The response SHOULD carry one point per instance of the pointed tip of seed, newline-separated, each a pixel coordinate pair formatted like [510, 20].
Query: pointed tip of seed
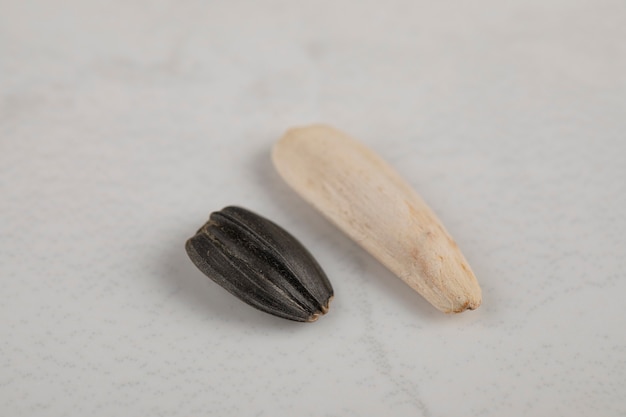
[326, 307]
[323, 310]
[467, 305]
[313, 318]
[470, 301]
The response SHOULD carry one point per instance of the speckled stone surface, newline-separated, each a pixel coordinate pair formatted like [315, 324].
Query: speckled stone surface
[123, 124]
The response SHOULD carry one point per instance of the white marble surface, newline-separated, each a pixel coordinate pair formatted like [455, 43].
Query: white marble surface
[124, 123]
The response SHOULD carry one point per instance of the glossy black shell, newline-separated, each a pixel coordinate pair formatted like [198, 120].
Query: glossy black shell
[261, 264]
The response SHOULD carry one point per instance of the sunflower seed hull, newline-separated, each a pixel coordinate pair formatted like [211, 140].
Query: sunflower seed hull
[363, 196]
[261, 264]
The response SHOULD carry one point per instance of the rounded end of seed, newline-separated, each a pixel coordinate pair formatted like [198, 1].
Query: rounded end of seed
[290, 148]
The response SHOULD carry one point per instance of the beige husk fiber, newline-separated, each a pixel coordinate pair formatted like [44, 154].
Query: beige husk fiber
[363, 196]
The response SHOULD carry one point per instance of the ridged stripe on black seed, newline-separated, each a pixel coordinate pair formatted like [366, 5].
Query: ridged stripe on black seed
[245, 218]
[300, 261]
[226, 233]
[276, 257]
[318, 284]
[274, 292]
[261, 299]
[269, 288]
[280, 263]
[205, 248]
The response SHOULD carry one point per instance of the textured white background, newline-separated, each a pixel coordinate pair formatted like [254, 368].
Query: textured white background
[124, 123]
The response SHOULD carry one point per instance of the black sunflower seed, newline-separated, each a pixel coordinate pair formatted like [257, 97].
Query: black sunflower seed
[261, 264]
